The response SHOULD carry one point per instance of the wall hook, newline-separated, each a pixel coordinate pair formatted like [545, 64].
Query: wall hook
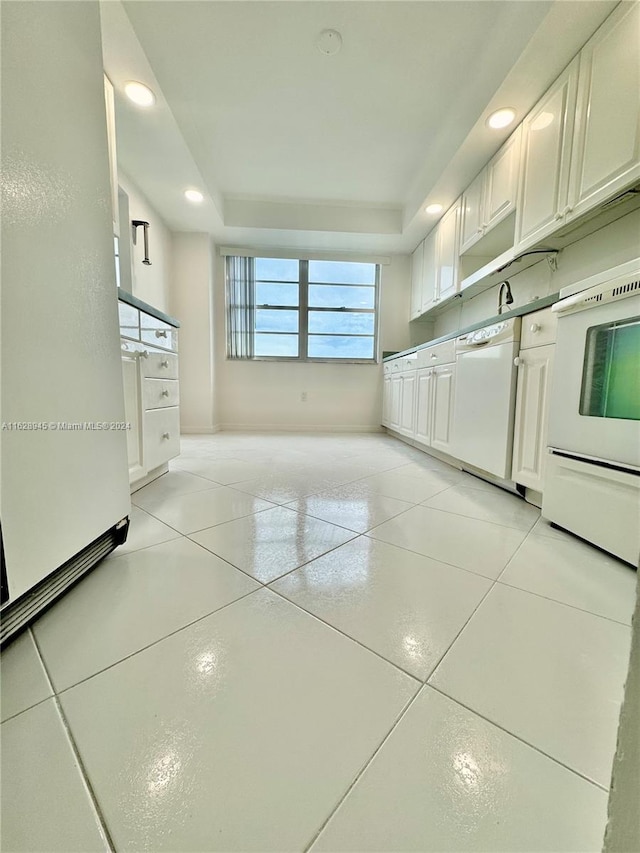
[145, 225]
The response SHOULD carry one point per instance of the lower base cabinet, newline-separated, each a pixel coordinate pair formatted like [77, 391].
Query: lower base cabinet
[419, 405]
[535, 369]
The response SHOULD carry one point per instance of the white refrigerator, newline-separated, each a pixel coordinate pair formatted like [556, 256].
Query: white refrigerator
[64, 493]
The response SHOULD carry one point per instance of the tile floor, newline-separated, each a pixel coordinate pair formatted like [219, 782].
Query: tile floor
[325, 643]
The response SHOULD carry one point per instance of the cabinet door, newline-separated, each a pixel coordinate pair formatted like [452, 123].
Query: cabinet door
[408, 404]
[535, 366]
[443, 398]
[501, 184]
[429, 271]
[424, 405]
[547, 134]
[472, 212]
[416, 282]
[111, 144]
[133, 414]
[606, 150]
[386, 401]
[447, 253]
[395, 401]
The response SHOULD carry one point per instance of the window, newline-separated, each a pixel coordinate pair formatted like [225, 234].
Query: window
[299, 309]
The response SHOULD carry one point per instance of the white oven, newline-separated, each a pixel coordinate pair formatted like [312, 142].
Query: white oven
[592, 484]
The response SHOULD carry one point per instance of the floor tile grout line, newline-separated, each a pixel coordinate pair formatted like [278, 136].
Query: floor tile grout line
[343, 633]
[428, 556]
[364, 768]
[525, 530]
[519, 738]
[494, 581]
[289, 571]
[217, 524]
[76, 752]
[565, 604]
[159, 640]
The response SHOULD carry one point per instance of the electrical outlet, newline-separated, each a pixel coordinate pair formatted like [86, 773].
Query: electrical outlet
[303, 397]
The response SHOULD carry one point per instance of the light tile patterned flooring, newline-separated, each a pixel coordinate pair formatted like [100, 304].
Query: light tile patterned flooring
[326, 643]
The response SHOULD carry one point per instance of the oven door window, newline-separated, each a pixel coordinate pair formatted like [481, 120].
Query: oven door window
[611, 371]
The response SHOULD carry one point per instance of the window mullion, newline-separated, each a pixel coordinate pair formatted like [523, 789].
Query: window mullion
[303, 326]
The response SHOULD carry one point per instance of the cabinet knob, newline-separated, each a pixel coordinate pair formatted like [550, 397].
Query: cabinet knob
[433, 355]
[166, 435]
[165, 393]
[558, 216]
[518, 361]
[568, 209]
[535, 327]
[144, 353]
[164, 363]
[161, 333]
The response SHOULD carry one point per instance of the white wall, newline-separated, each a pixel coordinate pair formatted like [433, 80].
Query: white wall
[149, 283]
[612, 245]
[266, 394]
[192, 304]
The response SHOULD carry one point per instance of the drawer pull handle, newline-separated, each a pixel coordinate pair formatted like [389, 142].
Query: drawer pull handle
[165, 393]
[161, 333]
[164, 363]
[535, 327]
[166, 435]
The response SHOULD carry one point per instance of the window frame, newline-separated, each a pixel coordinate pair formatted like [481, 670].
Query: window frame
[303, 318]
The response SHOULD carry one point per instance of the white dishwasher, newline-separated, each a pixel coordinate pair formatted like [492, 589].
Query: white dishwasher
[485, 397]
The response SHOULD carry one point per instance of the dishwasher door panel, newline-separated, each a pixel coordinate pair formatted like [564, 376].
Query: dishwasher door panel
[485, 407]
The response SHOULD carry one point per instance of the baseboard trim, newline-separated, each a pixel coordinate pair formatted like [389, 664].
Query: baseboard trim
[196, 430]
[300, 428]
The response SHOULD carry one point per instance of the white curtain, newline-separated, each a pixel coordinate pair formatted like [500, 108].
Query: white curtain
[241, 301]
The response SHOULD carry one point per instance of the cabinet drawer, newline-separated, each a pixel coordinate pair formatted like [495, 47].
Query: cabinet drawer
[539, 329]
[161, 440]
[160, 365]
[160, 393]
[443, 353]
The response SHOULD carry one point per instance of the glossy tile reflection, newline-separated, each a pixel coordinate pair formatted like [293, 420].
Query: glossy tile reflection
[272, 543]
[462, 784]
[403, 606]
[212, 713]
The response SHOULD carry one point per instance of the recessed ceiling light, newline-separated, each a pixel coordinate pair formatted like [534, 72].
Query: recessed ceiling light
[139, 94]
[434, 208]
[329, 42]
[501, 118]
[194, 195]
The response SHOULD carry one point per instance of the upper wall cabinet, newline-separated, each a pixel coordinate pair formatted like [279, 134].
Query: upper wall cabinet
[547, 135]
[416, 283]
[429, 271]
[606, 145]
[447, 253]
[491, 197]
[109, 101]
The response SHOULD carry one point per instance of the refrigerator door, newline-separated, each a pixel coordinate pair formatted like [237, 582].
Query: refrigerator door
[62, 486]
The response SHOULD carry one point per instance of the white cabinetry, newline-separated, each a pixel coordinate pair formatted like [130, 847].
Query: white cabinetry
[491, 197]
[111, 145]
[547, 135]
[501, 183]
[151, 385]
[447, 253]
[408, 403]
[535, 368]
[416, 282]
[443, 399]
[606, 146]
[429, 271]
